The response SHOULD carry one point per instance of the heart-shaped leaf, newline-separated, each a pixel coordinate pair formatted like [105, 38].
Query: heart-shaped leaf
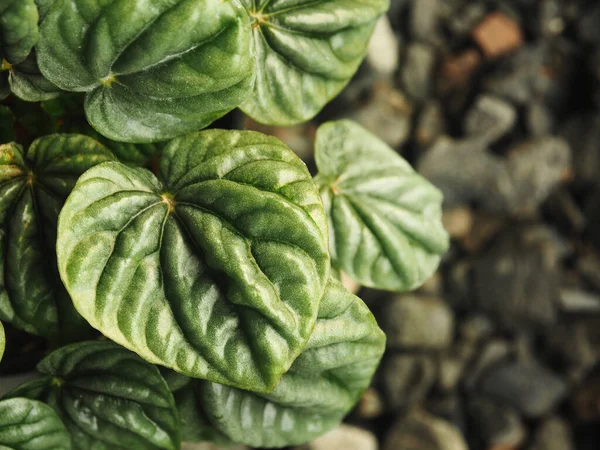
[31, 425]
[33, 188]
[152, 69]
[306, 51]
[215, 271]
[107, 397]
[18, 29]
[320, 388]
[384, 218]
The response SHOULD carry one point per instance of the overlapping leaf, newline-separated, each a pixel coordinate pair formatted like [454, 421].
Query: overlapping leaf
[385, 219]
[320, 388]
[33, 187]
[306, 51]
[31, 425]
[152, 69]
[18, 34]
[107, 397]
[216, 272]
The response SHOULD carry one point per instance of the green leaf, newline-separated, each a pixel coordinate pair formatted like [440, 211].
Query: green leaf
[27, 82]
[216, 271]
[195, 425]
[320, 388]
[33, 188]
[152, 69]
[18, 29]
[30, 425]
[2, 341]
[384, 219]
[108, 398]
[306, 52]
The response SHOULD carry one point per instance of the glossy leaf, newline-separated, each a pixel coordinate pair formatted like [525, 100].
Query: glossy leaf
[31, 425]
[320, 388]
[152, 69]
[195, 425]
[18, 29]
[33, 187]
[2, 341]
[306, 52]
[384, 219]
[27, 82]
[215, 271]
[107, 397]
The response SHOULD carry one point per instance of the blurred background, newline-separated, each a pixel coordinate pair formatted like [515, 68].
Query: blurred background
[498, 104]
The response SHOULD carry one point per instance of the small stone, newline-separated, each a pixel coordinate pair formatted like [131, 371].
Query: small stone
[421, 431]
[430, 125]
[575, 342]
[464, 20]
[528, 386]
[370, 405]
[578, 301]
[492, 355]
[586, 399]
[490, 118]
[498, 35]
[540, 120]
[553, 434]
[457, 69]
[452, 365]
[498, 425]
[416, 73]
[475, 328]
[384, 51]
[344, 437]
[485, 228]
[414, 322]
[458, 221]
[423, 20]
[407, 378]
[387, 114]
[516, 279]
[582, 132]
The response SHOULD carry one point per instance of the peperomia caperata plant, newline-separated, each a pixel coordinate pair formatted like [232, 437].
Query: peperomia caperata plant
[189, 289]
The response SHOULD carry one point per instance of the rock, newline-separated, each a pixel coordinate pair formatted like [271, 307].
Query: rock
[370, 405]
[423, 20]
[466, 18]
[539, 119]
[536, 168]
[516, 279]
[384, 51]
[582, 132]
[575, 343]
[457, 69]
[452, 365]
[485, 228]
[475, 328]
[493, 354]
[577, 301]
[387, 114]
[458, 222]
[588, 265]
[449, 407]
[553, 434]
[345, 437]
[430, 125]
[586, 399]
[407, 378]
[498, 35]
[588, 24]
[414, 322]
[416, 72]
[498, 425]
[421, 431]
[489, 119]
[528, 386]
